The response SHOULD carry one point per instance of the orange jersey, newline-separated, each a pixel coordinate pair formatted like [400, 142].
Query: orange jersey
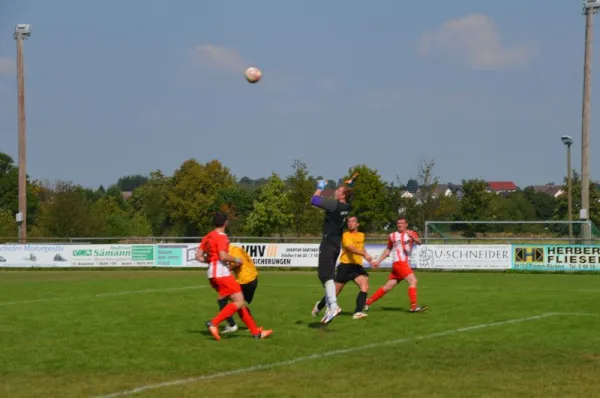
[213, 243]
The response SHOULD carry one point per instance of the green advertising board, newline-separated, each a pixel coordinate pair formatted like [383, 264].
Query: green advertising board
[556, 257]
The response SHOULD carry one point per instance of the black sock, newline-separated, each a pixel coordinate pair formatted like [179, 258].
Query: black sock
[321, 304]
[361, 300]
[222, 304]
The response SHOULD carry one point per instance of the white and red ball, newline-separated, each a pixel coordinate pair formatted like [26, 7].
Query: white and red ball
[253, 75]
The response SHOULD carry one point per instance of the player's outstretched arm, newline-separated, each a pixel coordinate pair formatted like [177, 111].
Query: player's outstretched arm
[323, 203]
[383, 256]
[354, 250]
[350, 183]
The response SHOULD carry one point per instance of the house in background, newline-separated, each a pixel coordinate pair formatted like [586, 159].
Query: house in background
[456, 190]
[549, 189]
[501, 187]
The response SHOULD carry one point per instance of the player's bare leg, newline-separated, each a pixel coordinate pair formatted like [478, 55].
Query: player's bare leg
[412, 294]
[362, 282]
[389, 285]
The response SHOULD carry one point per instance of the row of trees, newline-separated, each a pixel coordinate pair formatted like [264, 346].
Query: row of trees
[182, 204]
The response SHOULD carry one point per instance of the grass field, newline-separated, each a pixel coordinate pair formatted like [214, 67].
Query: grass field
[97, 333]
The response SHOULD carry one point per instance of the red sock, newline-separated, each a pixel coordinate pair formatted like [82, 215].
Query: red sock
[412, 296]
[248, 320]
[376, 296]
[225, 313]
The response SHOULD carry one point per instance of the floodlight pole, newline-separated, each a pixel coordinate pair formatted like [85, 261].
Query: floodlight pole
[570, 198]
[589, 9]
[22, 32]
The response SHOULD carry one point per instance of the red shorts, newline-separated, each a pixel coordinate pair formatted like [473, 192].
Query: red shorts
[400, 270]
[225, 285]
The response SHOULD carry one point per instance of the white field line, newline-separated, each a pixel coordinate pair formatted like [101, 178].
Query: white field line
[122, 293]
[49, 299]
[330, 353]
[527, 289]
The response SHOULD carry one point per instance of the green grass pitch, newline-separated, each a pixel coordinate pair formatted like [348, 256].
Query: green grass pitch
[110, 333]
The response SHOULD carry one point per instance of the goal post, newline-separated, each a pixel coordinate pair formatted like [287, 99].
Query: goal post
[520, 231]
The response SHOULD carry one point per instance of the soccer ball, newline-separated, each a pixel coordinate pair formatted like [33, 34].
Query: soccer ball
[253, 75]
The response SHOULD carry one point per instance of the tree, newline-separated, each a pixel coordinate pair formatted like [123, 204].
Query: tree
[301, 186]
[237, 203]
[412, 186]
[427, 194]
[476, 205]
[395, 205]
[251, 185]
[9, 190]
[131, 182]
[369, 202]
[67, 213]
[8, 226]
[271, 212]
[193, 192]
[514, 207]
[114, 221]
[150, 200]
[543, 203]
[561, 210]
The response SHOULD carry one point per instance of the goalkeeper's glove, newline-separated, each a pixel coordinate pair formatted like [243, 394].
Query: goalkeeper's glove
[321, 184]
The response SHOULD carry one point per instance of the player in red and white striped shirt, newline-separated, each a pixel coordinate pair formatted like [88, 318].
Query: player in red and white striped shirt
[400, 244]
[216, 246]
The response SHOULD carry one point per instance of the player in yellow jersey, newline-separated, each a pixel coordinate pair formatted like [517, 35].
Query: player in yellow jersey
[246, 275]
[351, 268]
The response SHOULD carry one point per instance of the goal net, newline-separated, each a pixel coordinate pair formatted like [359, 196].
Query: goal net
[550, 232]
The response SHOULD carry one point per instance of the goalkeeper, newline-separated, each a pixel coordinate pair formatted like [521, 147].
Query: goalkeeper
[336, 212]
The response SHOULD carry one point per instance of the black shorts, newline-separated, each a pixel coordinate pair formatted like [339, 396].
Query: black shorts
[248, 290]
[349, 272]
[329, 252]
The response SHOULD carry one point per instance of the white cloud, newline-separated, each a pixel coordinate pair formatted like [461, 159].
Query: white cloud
[219, 58]
[475, 41]
[7, 66]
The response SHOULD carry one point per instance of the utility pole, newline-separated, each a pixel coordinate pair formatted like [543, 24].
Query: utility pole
[567, 140]
[590, 7]
[22, 32]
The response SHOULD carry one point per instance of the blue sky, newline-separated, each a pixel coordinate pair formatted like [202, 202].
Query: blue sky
[485, 89]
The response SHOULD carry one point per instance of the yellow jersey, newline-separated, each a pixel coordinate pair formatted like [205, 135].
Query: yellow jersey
[246, 272]
[356, 239]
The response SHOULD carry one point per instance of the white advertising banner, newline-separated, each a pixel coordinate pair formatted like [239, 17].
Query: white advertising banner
[112, 255]
[263, 254]
[76, 255]
[34, 255]
[467, 257]
[268, 254]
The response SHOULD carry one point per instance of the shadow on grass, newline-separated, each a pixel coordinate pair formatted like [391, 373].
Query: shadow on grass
[240, 333]
[397, 309]
[319, 326]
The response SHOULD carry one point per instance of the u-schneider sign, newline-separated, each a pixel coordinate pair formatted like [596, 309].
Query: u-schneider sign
[465, 257]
